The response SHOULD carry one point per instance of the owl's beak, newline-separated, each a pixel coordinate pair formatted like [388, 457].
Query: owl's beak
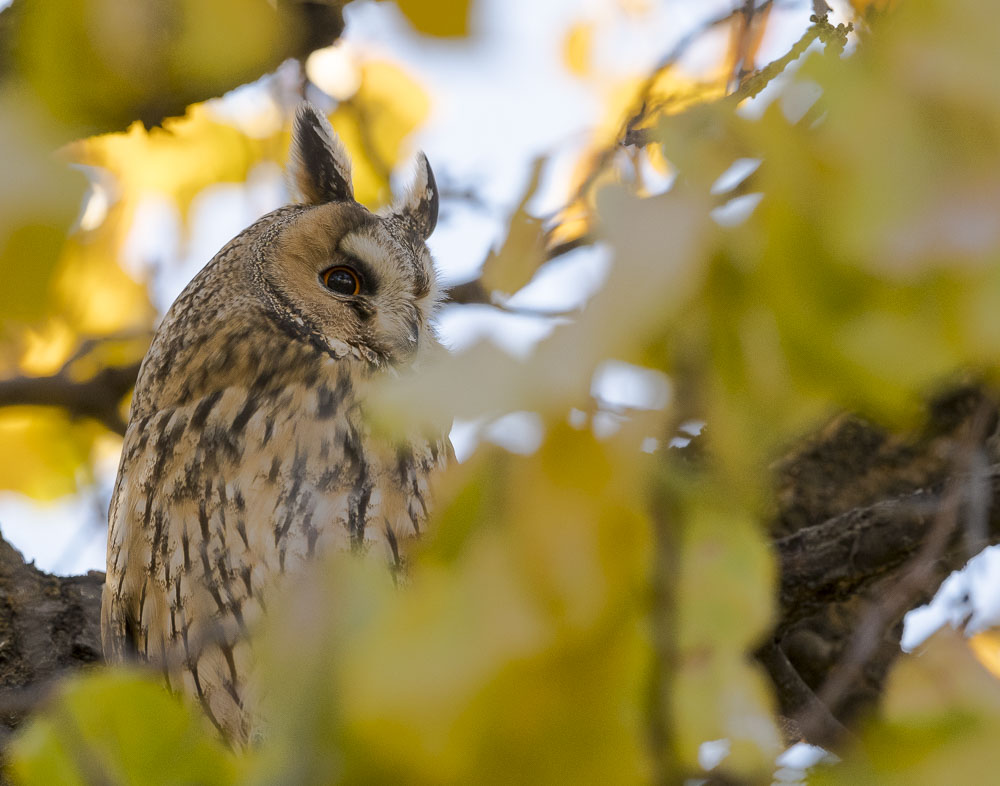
[401, 345]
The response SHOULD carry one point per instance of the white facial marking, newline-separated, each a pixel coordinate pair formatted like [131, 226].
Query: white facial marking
[366, 248]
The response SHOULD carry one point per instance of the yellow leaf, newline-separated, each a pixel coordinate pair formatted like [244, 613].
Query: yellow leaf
[670, 92]
[523, 250]
[986, 647]
[577, 47]
[443, 18]
[45, 452]
[637, 8]
[97, 64]
[39, 197]
[119, 727]
[114, 302]
[181, 158]
[46, 348]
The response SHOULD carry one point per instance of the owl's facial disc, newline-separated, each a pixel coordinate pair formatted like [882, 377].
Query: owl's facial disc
[345, 275]
[354, 278]
[403, 290]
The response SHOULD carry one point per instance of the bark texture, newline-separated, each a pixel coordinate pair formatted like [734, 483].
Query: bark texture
[867, 526]
[49, 625]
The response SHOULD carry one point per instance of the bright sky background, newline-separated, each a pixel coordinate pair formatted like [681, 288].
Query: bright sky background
[500, 99]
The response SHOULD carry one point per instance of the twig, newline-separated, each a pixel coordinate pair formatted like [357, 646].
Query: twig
[629, 134]
[820, 28]
[751, 86]
[743, 43]
[640, 106]
[468, 195]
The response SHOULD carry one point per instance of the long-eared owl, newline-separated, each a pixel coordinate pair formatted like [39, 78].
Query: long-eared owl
[247, 451]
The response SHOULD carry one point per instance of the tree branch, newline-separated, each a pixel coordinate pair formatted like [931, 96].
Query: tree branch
[894, 519]
[98, 397]
[50, 624]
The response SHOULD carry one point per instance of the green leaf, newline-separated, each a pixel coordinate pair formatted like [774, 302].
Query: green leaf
[516, 651]
[940, 723]
[100, 64]
[39, 198]
[123, 728]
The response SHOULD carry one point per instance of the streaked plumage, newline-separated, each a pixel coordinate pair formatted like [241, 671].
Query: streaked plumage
[247, 452]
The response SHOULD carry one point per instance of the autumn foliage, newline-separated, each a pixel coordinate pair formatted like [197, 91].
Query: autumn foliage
[583, 613]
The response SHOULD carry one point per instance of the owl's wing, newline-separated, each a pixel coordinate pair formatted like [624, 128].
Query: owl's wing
[119, 618]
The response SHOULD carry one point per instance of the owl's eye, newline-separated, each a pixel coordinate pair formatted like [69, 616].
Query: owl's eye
[342, 280]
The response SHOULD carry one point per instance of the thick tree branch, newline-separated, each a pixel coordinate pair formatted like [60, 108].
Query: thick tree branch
[49, 625]
[98, 397]
[833, 561]
[868, 527]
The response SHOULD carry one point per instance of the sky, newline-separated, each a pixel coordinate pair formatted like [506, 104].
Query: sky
[500, 98]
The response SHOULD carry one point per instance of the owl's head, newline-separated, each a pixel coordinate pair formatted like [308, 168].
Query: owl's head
[354, 277]
[319, 279]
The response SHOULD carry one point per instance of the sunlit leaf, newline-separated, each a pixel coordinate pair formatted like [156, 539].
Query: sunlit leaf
[46, 454]
[986, 647]
[523, 250]
[577, 48]
[180, 159]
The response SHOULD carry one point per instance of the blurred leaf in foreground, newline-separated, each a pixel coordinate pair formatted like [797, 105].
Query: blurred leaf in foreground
[725, 597]
[940, 725]
[39, 197]
[101, 64]
[515, 653]
[119, 727]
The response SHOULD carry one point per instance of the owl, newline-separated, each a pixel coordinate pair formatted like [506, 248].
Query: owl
[247, 452]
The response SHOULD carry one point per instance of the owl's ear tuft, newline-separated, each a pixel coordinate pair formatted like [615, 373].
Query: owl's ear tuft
[419, 207]
[319, 167]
